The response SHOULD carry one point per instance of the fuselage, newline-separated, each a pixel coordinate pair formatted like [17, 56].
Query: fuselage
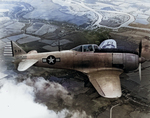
[85, 62]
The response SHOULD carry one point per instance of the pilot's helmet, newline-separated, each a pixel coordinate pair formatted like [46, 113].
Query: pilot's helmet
[108, 44]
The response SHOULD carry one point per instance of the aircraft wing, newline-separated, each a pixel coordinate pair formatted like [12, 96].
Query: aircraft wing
[25, 64]
[107, 82]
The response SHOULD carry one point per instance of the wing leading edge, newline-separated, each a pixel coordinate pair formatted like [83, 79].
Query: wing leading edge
[107, 82]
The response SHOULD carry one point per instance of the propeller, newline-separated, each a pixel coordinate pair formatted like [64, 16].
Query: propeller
[140, 48]
[144, 53]
[140, 71]
[140, 60]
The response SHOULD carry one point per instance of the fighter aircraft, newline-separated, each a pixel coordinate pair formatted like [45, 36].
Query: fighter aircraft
[103, 64]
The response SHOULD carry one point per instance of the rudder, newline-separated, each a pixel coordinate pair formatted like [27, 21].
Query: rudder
[12, 49]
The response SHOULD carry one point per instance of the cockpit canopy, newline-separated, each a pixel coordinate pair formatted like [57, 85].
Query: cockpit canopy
[86, 48]
[107, 44]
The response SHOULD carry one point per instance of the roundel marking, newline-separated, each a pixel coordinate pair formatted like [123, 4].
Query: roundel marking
[51, 60]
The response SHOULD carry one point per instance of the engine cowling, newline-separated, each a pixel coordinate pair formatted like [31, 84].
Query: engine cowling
[125, 61]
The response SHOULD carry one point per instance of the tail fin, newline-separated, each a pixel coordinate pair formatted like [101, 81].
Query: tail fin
[12, 49]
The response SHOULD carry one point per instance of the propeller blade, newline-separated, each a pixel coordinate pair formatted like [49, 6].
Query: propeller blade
[140, 48]
[140, 71]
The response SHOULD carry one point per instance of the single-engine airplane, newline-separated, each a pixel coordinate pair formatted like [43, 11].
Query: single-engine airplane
[103, 64]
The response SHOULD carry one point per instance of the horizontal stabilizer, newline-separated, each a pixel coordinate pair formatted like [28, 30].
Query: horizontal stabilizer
[107, 82]
[25, 64]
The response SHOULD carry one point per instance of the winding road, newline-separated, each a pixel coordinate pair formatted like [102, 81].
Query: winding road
[99, 18]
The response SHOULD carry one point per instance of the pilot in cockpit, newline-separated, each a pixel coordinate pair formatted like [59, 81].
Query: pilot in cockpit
[108, 44]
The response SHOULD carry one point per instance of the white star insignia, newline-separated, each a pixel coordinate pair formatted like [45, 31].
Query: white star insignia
[51, 60]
